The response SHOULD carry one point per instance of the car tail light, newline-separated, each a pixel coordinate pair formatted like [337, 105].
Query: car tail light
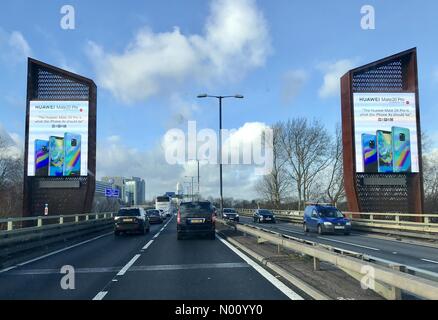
[178, 218]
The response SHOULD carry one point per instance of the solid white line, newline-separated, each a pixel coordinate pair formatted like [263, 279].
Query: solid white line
[147, 245]
[100, 295]
[128, 265]
[157, 235]
[432, 261]
[274, 281]
[350, 244]
[55, 252]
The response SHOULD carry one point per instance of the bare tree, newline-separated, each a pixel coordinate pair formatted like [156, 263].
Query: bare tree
[274, 186]
[335, 190]
[11, 181]
[305, 147]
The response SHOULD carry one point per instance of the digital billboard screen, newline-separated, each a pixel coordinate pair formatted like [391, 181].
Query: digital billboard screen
[58, 138]
[386, 139]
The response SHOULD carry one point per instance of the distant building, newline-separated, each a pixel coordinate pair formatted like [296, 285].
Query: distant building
[133, 190]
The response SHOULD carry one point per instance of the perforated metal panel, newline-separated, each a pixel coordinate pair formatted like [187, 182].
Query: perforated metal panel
[385, 78]
[49, 83]
[382, 198]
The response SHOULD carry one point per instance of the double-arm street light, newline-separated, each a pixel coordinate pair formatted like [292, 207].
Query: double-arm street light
[220, 98]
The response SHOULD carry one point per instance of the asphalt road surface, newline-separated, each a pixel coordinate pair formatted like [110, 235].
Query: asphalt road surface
[155, 266]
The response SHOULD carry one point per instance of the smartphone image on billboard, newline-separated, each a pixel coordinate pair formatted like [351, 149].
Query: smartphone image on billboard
[41, 158]
[72, 151]
[56, 156]
[401, 145]
[384, 151]
[369, 153]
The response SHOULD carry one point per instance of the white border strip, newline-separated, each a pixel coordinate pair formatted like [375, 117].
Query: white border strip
[100, 295]
[128, 265]
[274, 281]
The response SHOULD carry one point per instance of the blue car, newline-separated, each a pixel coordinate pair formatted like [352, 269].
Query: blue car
[325, 219]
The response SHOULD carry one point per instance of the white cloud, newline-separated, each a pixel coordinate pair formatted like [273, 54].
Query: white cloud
[332, 77]
[235, 40]
[14, 48]
[292, 83]
[116, 159]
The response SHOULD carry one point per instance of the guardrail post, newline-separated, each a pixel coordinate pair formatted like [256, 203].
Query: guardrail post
[10, 225]
[96, 217]
[61, 220]
[39, 222]
[316, 264]
[76, 218]
[86, 217]
[426, 220]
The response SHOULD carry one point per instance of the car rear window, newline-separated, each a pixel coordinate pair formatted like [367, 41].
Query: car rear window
[196, 207]
[129, 213]
[229, 211]
[265, 212]
[153, 213]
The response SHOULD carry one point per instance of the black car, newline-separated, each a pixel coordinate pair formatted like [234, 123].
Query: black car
[131, 220]
[196, 218]
[231, 214]
[155, 216]
[264, 216]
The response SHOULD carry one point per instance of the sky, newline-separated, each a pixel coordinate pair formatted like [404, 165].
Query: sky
[150, 59]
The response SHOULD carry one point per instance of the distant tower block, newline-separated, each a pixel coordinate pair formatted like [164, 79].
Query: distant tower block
[178, 189]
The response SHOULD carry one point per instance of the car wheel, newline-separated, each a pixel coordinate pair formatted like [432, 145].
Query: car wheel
[117, 233]
[320, 230]
[179, 236]
[306, 230]
[347, 233]
[148, 229]
[213, 235]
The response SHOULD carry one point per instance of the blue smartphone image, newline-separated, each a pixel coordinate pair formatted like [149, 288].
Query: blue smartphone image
[401, 142]
[56, 156]
[369, 153]
[384, 151]
[41, 158]
[72, 153]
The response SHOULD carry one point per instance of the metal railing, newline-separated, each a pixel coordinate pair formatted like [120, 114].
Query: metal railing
[388, 221]
[12, 224]
[386, 274]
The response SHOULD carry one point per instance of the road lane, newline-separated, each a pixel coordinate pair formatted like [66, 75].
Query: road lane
[95, 263]
[191, 269]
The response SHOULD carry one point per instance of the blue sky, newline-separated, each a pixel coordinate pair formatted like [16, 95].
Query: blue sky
[277, 47]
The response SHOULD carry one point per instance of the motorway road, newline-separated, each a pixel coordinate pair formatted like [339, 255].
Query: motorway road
[413, 255]
[155, 266]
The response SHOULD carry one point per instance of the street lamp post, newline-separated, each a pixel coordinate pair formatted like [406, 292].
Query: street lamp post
[220, 98]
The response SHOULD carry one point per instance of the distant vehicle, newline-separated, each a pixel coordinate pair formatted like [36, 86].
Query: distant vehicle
[325, 219]
[154, 216]
[163, 214]
[131, 220]
[264, 216]
[196, 218]
[163, 203]
[231, 214]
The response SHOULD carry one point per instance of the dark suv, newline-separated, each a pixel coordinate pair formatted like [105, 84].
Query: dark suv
[131, 220]
[196, 218]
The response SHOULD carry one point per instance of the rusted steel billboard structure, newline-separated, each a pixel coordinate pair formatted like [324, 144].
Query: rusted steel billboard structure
[60, 142]
[382, 136]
